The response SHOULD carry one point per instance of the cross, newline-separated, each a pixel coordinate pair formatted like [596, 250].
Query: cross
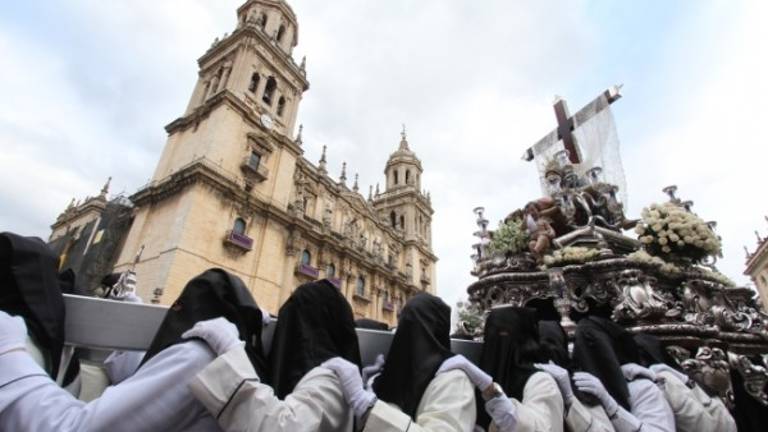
[566, 125]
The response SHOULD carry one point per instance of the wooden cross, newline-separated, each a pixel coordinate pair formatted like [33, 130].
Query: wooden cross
[566, 125]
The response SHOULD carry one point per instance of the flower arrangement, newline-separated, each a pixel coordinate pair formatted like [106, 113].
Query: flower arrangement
[570, 255]
[670, 230]
[644, 257]
[510, 238]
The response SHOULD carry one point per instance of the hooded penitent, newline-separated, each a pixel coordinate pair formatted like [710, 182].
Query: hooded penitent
[554, 343]
[29, 287]
[601, 347]
[315, 324]
[420, 345]
[652, 351]
[213, 294]
[511, 346]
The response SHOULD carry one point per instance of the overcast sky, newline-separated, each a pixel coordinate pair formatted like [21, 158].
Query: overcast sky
[87, 86]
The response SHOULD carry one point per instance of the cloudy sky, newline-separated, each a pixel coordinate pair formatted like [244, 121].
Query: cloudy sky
[87, 86]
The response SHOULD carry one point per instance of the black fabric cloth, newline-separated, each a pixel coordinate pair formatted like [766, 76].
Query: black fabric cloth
[315, 324]
[750, 415]
[68, 282]
[29, 287]
[510, 347]
[420, 345]
[554, 344]
[215, 293]
[601, 346]
[652, 351]
[367, 323]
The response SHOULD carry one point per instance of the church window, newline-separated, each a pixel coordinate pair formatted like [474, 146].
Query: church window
[407, 176]
[239, 226]
[360, 286]
[306, 257]
[330, 271]
[393, 219]
[280, 106]
[395, 175]
[254, 160]
[263, 20]
[280, 33]
[269, 90]
[254, 85]
[402, 222]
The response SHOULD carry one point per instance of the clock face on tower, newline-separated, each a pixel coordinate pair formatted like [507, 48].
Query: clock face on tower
[266, 121]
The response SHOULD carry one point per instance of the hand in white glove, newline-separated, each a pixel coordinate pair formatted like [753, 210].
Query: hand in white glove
[352, 386]
[503, 413]
[266, 318]
[661, 367]
[373, 369]
[589, 384]
[220, 334]
[561, 377]
[480, 379]
[13, 333]
[633, 371]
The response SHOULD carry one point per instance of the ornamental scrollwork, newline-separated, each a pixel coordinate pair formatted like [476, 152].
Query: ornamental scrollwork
[754, 375]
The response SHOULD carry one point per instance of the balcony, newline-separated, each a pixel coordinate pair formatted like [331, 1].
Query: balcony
[425, 279]
[240, 241]
[253, 168]
[307, 270]
[335, 281]
[388, 306]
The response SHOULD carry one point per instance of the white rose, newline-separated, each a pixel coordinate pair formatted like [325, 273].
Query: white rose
[666, 249]
[663, 241]
[673, 237]
[680, 243]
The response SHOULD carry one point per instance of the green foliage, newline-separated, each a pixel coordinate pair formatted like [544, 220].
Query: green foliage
[509, 238]
[470, 316]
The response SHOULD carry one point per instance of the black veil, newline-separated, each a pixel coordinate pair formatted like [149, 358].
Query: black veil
[554, 343]
[652, 351]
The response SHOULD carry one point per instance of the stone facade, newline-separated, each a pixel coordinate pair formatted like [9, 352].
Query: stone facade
[233, 190]
[757, 268]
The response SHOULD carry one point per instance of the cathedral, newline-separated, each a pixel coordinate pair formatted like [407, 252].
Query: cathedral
[233, 190]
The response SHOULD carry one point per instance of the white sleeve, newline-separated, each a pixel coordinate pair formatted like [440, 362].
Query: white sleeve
[694, 410]
[122, 364]
[542, 407]
[231, 391]
[649, 407]
[447, 405]
[581, 418]
[155, 398]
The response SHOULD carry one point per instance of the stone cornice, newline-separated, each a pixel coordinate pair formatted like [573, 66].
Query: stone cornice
[230, 99]
[388, 198]
[756, 257]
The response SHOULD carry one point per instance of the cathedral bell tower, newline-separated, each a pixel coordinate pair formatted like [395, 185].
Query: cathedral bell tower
[226, 170]
[409, 210]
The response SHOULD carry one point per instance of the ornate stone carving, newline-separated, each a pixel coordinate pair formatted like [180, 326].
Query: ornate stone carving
[755, 376]
[710, 369]
[639, 300]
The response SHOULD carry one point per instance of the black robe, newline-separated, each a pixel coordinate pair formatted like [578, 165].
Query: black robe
[420, 345]
[510, 347]
[554, 344]
[600, 348]
[315, 324]
[215, 293]
[652, 351]
[29, 287]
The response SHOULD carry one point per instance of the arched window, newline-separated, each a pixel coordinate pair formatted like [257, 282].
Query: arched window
[395, 175]
[280, 33]
[407, 176]
[254, 85]
[393, 219]
[239, 226]
[306, 257]
[263, 20]
[269, 90]
[360, 286]
[402, 222]
[330, 271]
[280, 106]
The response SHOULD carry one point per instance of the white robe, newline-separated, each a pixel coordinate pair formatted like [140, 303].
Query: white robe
[650, 411]
[694, 410]
[541, 409]
[583, 418]
[156, 398]
[231, 391]
[448, 404]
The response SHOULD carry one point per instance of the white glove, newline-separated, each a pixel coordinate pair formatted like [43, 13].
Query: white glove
[589, 384]
[503, 413]
[633, 371]
[480, 379]
[266, 318]
[661, 367]
[561, 377]
[352, 385]
[373, 369]
[220, 334]
[13, 333]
